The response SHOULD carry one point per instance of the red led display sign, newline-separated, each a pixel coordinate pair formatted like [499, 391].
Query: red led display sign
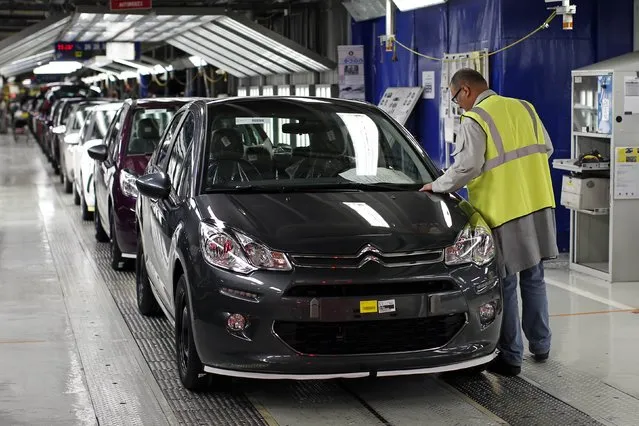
[130, 4]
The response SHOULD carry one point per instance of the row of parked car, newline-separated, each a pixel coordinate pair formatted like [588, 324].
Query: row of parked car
[283, 237]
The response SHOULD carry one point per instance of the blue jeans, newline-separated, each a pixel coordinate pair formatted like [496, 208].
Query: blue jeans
[535, 321]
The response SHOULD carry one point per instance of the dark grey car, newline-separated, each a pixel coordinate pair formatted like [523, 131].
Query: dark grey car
[306, 251]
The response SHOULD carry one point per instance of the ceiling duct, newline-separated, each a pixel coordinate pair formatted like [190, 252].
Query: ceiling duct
[363, 10]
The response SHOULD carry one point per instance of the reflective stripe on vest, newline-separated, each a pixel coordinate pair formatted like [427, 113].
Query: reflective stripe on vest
[515, 179]
[502, 156]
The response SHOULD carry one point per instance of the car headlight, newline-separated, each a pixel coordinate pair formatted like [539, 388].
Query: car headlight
[238, 252]
[474, 244]
[127, 184]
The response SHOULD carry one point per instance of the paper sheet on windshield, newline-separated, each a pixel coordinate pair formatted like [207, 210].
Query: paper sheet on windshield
[383, 176]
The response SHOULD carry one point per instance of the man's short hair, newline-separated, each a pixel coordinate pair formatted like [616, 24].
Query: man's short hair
[469, 77]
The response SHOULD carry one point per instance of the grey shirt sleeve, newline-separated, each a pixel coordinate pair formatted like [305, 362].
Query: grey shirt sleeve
[549, 147]
[470, 149]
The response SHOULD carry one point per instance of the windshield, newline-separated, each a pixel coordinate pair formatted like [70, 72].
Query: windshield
[290, 144]
[148, 127]
[100, 124]
[78, 117]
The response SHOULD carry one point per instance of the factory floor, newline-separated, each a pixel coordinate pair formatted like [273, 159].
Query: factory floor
[74, 350]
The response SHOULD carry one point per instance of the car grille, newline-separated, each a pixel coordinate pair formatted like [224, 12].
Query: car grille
[370, 289]
[369, 337]
[366, 255]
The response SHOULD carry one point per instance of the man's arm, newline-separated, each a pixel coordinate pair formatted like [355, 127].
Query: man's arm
[549, 148]
[469, 159]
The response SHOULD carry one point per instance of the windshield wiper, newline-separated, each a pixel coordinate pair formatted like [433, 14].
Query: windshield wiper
[324, 187]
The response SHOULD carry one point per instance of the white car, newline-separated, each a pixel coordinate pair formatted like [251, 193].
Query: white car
[69, 136]
[92, 133]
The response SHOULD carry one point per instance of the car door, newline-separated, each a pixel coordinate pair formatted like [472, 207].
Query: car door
[168, 209]
[152, 218]
[105, 170]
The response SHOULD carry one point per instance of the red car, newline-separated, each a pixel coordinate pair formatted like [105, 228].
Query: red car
[123, 156]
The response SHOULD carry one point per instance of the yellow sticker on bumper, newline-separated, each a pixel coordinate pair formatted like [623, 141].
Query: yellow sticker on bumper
[368, 306]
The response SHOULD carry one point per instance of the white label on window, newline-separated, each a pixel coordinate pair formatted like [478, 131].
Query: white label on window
[250, 120]
[386, 306]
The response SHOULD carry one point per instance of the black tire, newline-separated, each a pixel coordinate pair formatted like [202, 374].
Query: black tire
[68, 185]
[190, 368]
[86, 214]
[117, 261]
[147, 304]
[100, 235]
[76, 196]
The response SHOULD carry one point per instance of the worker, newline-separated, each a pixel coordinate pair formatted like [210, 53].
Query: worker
[501, 154]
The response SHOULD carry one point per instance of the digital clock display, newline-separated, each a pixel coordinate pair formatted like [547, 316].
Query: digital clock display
[65, 47]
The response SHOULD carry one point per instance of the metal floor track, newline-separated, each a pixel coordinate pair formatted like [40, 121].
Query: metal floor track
[515, 401]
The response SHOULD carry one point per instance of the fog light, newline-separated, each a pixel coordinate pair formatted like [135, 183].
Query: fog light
[236, 322]
[488, 312]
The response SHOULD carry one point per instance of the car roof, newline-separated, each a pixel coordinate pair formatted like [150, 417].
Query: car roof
[159, 102]
[302, 100]
[108, 106]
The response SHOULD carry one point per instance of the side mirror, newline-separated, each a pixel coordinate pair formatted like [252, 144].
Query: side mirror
[154, 185]
[98, 152]
[72, 139]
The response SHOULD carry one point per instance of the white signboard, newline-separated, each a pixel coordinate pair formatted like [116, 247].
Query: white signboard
[428, 83]
[399, 102]
[450, 113]
[351, 70]
[626, 173]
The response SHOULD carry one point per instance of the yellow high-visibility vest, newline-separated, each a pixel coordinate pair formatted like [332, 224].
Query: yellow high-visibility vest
[515, 180]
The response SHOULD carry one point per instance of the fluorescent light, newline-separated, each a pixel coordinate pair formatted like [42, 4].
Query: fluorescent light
[405, 5]
[197, 61]
[26, 82]
[58, 67]
[169, 68]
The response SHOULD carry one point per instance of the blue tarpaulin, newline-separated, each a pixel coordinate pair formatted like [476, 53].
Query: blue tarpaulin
[537, 69]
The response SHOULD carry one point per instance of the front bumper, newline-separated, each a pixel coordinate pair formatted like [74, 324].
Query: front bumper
[475, 362]
[264, 350]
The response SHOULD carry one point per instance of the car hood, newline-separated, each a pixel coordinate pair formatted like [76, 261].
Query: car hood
[136, 163]
[341, 222]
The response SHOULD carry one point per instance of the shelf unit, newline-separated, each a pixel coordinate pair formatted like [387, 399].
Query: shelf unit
[597, 234]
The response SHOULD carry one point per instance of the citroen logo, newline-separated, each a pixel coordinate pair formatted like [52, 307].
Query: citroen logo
[370, 253]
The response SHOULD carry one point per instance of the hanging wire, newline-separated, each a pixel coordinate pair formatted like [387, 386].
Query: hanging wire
[212, 79]
[543, 26]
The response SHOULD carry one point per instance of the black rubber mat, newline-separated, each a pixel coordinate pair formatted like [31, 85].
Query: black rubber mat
[518, 402]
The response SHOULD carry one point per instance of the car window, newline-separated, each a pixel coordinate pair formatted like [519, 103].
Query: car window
[180, 148]
[184, 185]
[78, 117]
[323, 143]
[148, 126]
[86, 128]
[101, 122]
[114, 132]
[166, 141]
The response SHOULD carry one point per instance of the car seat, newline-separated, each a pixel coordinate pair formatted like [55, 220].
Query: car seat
[261, 158]
[147, 136]
[327, 156]
[227, 163]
